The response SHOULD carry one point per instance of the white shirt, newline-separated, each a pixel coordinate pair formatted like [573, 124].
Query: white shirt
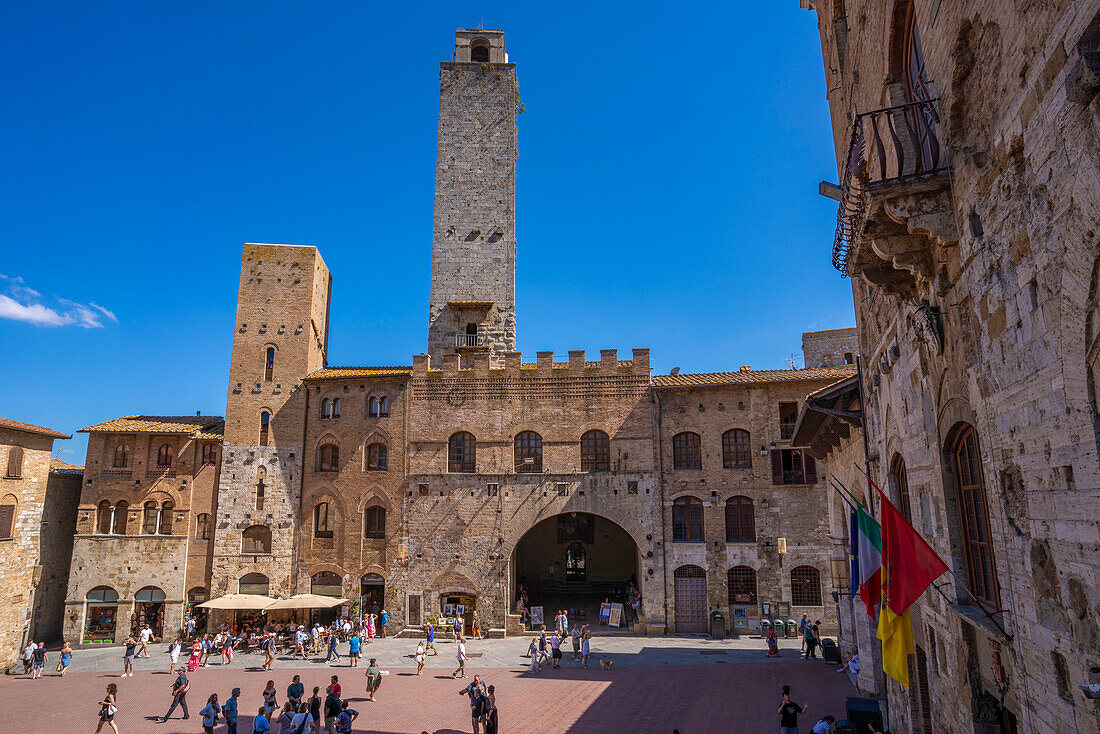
[555, 643]
[584, 646]
[174, 650]
[29, 652]
[461, 650]
[146, 634]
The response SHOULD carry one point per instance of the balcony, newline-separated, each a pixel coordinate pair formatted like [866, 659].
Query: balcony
[896, 205]
[469, 341]
[786, 430]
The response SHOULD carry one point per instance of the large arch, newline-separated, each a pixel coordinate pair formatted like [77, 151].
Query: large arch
[575, 561]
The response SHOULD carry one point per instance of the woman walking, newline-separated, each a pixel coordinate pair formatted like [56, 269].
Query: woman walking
[210, 713]
[374, 678]
[108, 709]
[196, 656]
[576, 634]
[174, 655]
[66, 659]
[586, 648]
[315, 709]
[773, 644]
[270, 704]
[420, 658]
[491, 710]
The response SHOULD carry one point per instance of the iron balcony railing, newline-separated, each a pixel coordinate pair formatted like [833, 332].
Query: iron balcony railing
[469, 340]
[889, 146]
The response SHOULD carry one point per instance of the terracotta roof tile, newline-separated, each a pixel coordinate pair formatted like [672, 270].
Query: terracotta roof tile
[63, 467]
[336, 372]
[31, 428]
[186, 424]
[748, 377]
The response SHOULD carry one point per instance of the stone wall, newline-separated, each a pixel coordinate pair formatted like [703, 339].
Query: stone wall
[829, 348]
[57, 528]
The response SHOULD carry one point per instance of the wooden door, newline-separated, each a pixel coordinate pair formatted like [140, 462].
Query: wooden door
[690, 584]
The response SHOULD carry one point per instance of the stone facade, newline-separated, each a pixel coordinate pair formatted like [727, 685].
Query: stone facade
[56, 533]
[974, 266]
[24, 482]
[830, 347]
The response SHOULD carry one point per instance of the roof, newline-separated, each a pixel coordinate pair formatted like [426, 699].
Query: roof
[828, 416]
[749, 377]
[57, 466]
[197, 426]
[846, 330]
[31, 428]
[337, 372]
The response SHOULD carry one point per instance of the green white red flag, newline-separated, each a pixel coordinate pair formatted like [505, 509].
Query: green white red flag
[869, 555]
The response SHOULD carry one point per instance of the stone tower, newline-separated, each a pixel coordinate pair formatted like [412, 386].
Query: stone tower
[281, 335]
[472, 307]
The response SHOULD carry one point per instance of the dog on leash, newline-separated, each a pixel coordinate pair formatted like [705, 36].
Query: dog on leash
[607, 664]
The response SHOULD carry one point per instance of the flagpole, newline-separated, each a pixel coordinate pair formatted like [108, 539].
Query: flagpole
[863, 430]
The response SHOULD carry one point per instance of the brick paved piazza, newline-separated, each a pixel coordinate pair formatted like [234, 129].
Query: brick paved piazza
[695, 685]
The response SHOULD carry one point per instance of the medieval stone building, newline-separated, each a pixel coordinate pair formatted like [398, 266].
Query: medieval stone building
[968, 147]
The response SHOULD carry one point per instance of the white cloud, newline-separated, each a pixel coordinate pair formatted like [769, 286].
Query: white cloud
[19, 302]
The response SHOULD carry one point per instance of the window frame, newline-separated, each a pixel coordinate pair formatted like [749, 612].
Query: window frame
[527, 445]
[804, 591]
[165, 521]
[269, 364]
[123, 448]
[900, 480]
[209, 456]
[104, 510]
[202, 526]
[374, 522]
[165, 456]
[687, 451]
[740, 582]
[377, 456]
[15, 462]
[973, 519]
[9, 507]
[595, 451]
[150, 517]
[737, 449]
[324, 521]
[265, 427]
[328, 457]
[264, 549]
[687, 517]
[120, 518]
[462, 453]
[740, 517]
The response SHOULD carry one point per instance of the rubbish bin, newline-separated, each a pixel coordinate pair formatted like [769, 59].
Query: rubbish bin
[792, 628]
[845, 727]
[780, 628]
[717, 625]
[830, 653]
[765, 625]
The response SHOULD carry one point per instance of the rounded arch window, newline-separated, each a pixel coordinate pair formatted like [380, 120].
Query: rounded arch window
[167, 513]
[687, 520]
[462, 453]
[202, 526]
[254, 583]
[900, 480]
[121, 515]
[479, 51]
[528, 452]
[102, 595]
[150, 514]
[122, 456]
[324, 521]
[256, 539]
[269, 364]
[973, 512]
[103, 518]
[7, 516]
[805, 587]
[265, 427]
[736, 451]
[164, 457]
[374, 522]
[326, 583]
[149, 595]
[741, 581]
[595, 451]
[686, 451]
[376, 457]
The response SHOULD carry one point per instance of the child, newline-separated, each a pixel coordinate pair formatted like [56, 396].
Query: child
[420, 658]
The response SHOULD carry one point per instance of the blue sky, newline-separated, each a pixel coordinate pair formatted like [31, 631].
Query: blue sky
[666, 191]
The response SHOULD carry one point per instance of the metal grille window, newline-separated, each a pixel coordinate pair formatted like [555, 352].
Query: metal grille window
[740, 522]
[595, 451]
[974, 518]
[805, 587]
[686, 452]
[322, 520]
[687, 519]
[528, 452]
[741, 581]
[376, 457]
[736, 452]
[374, 522]
[462, 453]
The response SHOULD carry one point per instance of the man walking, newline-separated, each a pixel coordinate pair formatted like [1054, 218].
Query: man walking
[802, 625]
[179, 696]
[431, 640]
[460, 672]
[555, 650]
[145, 637]
[268, 646]
[128, 656]
[229, 710]
[476, 692]
[332, 654]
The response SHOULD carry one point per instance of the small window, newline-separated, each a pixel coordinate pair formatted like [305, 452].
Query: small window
[849, 358]
[687, 520]
[374, 522]
[736, 449]
[792, 466]
[328, 458]
[372, 408]
[209, 454]
[492, 489]
[336, 407]
[122, 456]
[269, 364]
[788, 416]
[376, 457]
[562, 489]
[167, 512]
[256, 540]
[462, 453]
[326, 408]
[686, 453]
[740, 522]
[265, 424]
[383, 407]
[103, 518]
[261, 487]
[149, 518]
[7, 517]
[595, 452]
[805, 587]
[202, 526]
[479, 51]
[164, 457]
[15, 462]
[322, 520]
[741, 581]
[121, 515]
[422, 490]
[632, 488]
[527, 452]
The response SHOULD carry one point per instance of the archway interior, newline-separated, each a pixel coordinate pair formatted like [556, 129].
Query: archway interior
[575, 561]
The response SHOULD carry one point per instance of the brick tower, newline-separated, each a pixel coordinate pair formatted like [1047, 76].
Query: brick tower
[281, 335]
[472, 307]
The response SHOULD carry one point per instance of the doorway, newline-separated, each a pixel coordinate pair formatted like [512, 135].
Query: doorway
[459, 604]
[372, 594]
[149, 609]
[690, 585]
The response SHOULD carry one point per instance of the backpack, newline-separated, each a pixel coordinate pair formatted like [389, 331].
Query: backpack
[300, 729]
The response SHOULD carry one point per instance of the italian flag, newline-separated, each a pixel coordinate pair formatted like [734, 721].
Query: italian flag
[869, 555]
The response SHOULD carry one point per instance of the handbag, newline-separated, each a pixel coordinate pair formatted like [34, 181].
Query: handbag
[111, 709]
[59, 667]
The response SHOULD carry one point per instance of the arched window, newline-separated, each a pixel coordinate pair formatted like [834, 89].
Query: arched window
[595, 451]
[742, 585]
[103, 518]
[805, 587]
[335, 407]
[326, 583]
[122, 456]
[374, 522]
[269, 364]
[974, 519]
[462, 453]
[15, 462]
[372, 407]
[164, 457]
[687, 519]
[740, 523]
[265, 424]
[202, 526]
[102, 595]
[149, 518]
[328, 458]
[528, 452]
[256, 539]
[479, 51]
[376, 457]
[167, 511]
[326, 408]
[736, 452]
[383, 407]
[209, 454]
[261, 487]
[685, 451]
[149, 595]
[901, 485]
[323, 521]
[121, 515]
[254, 583]
[7, 517]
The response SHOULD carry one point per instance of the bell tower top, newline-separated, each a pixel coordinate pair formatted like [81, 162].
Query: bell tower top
[476, 45]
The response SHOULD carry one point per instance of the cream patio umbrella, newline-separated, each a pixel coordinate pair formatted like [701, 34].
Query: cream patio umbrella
[239, 602]
[306, 601]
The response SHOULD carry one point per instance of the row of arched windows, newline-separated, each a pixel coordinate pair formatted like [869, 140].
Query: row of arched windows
[324, 521]
[527, 452]
[328, 456]
[741, 584]
[155, 519]
[165, 456]
[687, 520]
[736, 450]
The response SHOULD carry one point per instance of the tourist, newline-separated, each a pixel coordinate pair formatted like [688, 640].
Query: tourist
[346, 627]
[586, 648]
[773, 643]
[576, 635]
[334, 684]
[332, 710]
[788, 713]
[374, 678]
[286, 717]
[533, 653]
[210, 713]
[207, 648]
[419, 657]
[475, 626]
[430, 635]
[851, 663]
[332, 654]
[476, 692]
[107, 709]
[190, 627]
[179, 697]
[344, 719]
[555, 650]
[260, 724]
[384, 620]
[802, 625]
[196, 656]
[371, 630]
[491, 710]
[809, 639]
[564, 631]
[268, 647]
[38, 660]
[456, 628]
[227, 649]
[560, 623]
[66, 659]
[824, 725]
[353, 650]
[173, 655]
[295, 691]
[543, 652]
[229, 711]
[28, 657]
[461, 657]
[303, 720]
[271, 704]
[315, 708]
[128, 656]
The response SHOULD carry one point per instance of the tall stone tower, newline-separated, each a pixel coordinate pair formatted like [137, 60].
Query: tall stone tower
[472, 307]
[280, 336]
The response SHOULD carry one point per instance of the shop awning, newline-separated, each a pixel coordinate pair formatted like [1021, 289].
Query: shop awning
[250, 602]
[306, 601]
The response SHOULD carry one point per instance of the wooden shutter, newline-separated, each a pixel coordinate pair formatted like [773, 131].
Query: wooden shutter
[777, 466]
[811, 468]
[7, 520]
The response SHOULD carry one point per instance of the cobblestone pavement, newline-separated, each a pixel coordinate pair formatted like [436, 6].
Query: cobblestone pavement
[658, 684]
